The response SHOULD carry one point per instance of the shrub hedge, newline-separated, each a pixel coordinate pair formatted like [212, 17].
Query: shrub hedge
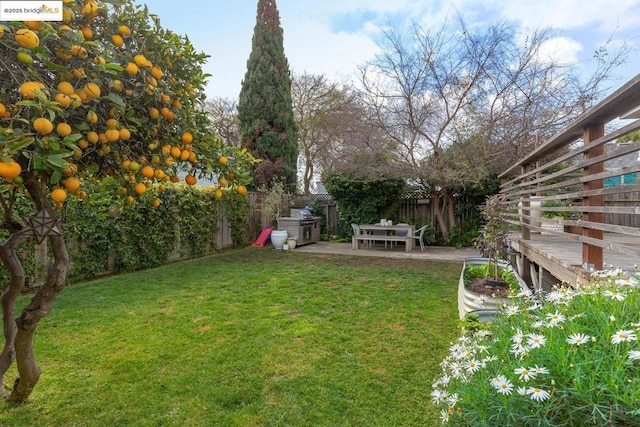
[104, 236]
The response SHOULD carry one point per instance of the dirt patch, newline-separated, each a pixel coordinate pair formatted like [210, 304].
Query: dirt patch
[489, 288]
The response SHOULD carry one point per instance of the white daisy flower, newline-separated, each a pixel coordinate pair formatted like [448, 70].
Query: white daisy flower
[453, 399]
[622, 336]
[511, 310]
[504, 386]
[522, 391]
[518, 337]
[555, 318]
[497, 380]
[472, 366]
[634, 354]
[538, 394]
[480, 300]
[553, 296]
[482, 333]
[539, 370]
[519, 350]
[442, 381]
[536, 340]
[538, 324]
[482, 348]
[444, 415]
[489, 359]
[524, 373]
[620, 296]
[578, 339]
[438, 396]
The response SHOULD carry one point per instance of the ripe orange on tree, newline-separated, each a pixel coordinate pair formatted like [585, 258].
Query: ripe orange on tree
[223, 160]
[117, 40]
[72, 184]
[63, 129]
[140, 60]
[33, 25]
[140, 188]
[58, 195]
[156, 72]
[43, 126]
[66, 88]
[241, 189]
[131, 69]
[218, 193]
[190, 179]
[79, 51]
[93, 137]
[112, 135]
[30, 89]
[147, 172]
[10, 169]
[27, 38]
[62, 99]
[186, 138]
[92, 90]
[90, 10]
[125, 134]
[175, 152]
[124, 30]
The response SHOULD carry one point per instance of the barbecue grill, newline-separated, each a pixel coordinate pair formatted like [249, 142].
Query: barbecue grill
[301, 224]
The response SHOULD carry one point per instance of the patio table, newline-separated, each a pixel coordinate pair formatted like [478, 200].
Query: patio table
[364, 233]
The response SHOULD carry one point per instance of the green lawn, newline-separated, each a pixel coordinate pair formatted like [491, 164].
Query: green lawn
[253, 337]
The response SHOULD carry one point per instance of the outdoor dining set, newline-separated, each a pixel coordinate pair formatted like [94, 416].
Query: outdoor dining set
[365, 235]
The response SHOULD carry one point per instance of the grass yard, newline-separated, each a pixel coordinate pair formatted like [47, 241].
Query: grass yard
[252, 337]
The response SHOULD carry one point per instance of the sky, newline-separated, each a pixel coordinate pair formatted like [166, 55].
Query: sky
[333, 37]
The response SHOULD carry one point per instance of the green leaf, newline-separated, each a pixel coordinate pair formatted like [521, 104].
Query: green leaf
[23, 143]
[56, 176]
[115, 99]
[55, 67]
[57, 161]
[112, 66]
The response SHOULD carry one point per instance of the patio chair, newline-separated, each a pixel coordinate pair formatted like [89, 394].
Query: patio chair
[418, 235]
[400, 232]
[354, 227]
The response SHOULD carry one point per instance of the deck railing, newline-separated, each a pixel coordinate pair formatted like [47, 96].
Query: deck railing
[586, 176]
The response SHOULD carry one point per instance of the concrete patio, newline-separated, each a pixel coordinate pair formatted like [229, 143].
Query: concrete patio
[431, 253]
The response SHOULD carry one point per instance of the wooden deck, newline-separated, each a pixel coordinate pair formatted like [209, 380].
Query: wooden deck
[562, 258]
[587, 175]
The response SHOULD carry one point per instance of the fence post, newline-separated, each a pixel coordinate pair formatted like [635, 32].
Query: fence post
[593, 255]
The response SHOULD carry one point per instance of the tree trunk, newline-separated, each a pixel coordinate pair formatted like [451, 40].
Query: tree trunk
[437, 200]
[308, 176]
[38, 308]
[8, 300]
[451, 210]
[19, 332]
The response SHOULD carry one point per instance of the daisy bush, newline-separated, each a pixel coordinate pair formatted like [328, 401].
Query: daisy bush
[569, 357]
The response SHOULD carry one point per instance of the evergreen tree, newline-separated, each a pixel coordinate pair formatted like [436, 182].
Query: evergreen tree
[266, 123]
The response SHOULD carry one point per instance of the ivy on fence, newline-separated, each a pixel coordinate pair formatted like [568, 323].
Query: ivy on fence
[106, 238]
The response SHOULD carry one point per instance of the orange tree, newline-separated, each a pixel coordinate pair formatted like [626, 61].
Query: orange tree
[107, 92]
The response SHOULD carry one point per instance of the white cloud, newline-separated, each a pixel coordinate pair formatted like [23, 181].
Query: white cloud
[560, 50]
[321, 37]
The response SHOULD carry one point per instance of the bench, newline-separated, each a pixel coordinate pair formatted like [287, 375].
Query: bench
[357, 239]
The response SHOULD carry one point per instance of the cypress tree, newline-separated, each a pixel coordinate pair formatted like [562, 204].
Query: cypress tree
[266, 122]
